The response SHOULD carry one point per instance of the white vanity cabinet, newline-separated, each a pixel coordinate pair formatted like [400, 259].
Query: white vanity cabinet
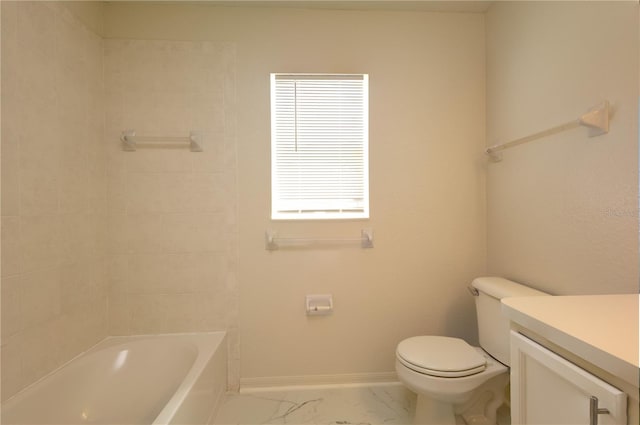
[566, 350]
[548, 389]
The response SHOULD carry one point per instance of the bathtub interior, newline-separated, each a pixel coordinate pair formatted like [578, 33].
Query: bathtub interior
[124, 380]
[197, 398]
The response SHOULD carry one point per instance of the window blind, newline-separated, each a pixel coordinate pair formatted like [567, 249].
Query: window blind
[319, 125]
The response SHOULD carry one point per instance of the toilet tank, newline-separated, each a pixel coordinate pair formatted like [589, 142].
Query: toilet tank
[493, 326]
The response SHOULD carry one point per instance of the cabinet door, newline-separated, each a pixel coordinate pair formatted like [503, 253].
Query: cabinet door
[547, 389]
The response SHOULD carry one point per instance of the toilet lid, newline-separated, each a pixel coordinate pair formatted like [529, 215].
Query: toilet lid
[440, 356]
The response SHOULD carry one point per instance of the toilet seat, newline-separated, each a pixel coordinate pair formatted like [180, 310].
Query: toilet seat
[440, 356]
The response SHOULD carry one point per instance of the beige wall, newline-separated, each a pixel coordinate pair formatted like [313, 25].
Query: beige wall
[427, 185]
[54, 296]
[172, 213]
[563, 211]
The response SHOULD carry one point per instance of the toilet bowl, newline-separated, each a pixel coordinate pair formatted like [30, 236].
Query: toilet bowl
[470, 375]
[452, 378]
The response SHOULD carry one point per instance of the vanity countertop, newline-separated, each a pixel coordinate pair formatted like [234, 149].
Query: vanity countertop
[601, 329]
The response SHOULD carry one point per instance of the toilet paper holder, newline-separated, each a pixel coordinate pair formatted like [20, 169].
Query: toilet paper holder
[319, 304]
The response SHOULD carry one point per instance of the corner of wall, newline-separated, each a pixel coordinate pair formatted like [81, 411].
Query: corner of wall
[90, 13]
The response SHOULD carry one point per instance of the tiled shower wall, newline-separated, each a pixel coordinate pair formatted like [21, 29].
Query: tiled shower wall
[172, 213]
[54, 198]
[97, 241]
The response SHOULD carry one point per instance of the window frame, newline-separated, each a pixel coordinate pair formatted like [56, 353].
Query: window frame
[276, 213]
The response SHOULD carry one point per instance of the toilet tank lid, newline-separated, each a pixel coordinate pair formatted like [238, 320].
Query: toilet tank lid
[499, 287]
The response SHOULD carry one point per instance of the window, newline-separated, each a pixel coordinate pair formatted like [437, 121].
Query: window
[319, 146]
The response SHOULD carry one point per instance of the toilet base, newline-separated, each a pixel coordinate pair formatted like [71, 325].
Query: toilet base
[430, 411]
[480, 409]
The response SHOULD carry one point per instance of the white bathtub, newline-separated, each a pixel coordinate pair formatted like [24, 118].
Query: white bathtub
[160, 379]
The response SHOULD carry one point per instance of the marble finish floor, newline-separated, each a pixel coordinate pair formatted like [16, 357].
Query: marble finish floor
[341, 405]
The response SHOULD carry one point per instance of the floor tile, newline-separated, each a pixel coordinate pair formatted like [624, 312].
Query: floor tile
[342, 405]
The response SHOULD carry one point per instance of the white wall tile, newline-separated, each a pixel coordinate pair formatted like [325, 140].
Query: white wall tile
[195, 232]
[73, 188]
[38, 175]
[144, 233]
[82, 284]
[118, 316]
[168, 207]
[40, 296]
[116, 191]
[176, 273]
[54, 191]
[154, 160]
[10, 177]
[11, 306]
[9, 22]
[36, 27]
[146, 313]
[70, 37]
[39, 241]
[11, 246]
[11, 365]
[41, 350]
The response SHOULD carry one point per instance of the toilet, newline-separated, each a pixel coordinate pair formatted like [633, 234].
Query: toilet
[451, 377]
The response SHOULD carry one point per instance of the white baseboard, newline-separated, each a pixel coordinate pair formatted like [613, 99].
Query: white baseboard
[283, 383]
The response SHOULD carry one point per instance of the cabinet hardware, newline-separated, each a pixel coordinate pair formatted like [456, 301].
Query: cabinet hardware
[594, 411]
